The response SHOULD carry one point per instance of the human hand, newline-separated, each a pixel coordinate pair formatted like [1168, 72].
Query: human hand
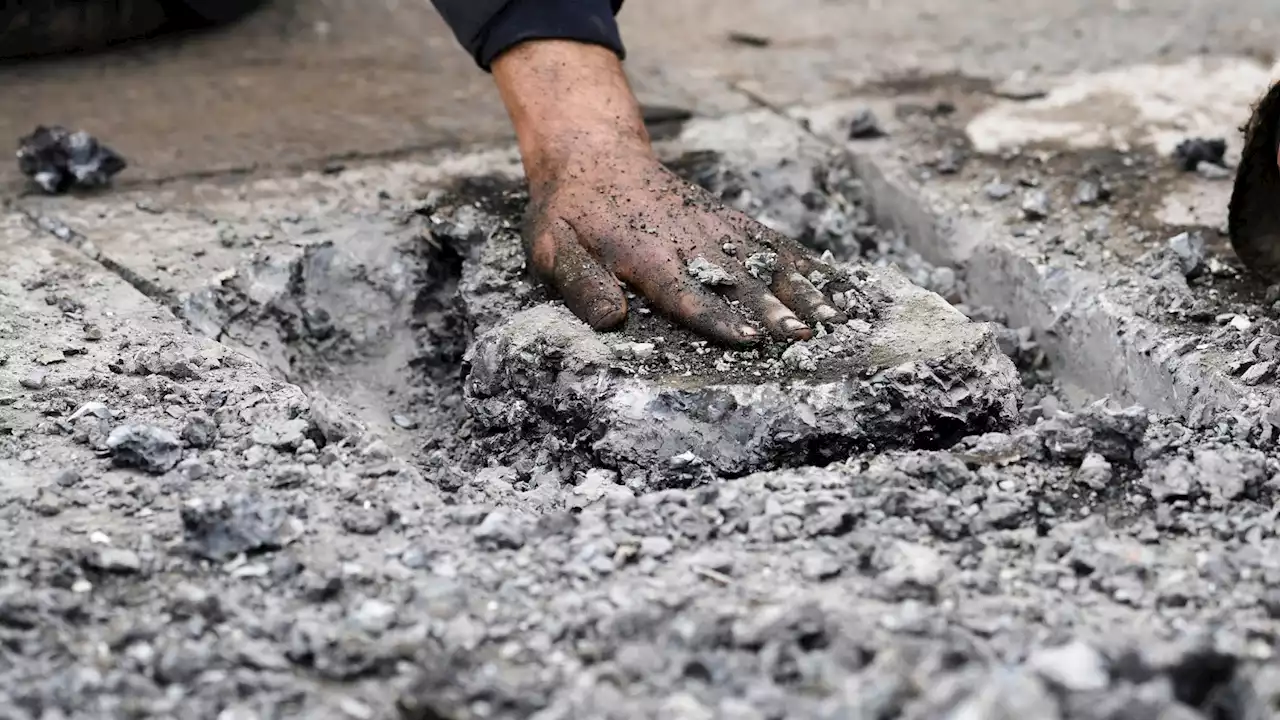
[603, 209]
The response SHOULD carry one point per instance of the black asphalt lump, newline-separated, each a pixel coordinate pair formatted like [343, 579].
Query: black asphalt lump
[57, 159]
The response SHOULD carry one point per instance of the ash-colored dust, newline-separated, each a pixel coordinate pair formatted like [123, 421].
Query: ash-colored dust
[1081, 561]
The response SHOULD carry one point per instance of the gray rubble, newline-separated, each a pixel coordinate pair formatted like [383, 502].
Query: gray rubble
[309, 556]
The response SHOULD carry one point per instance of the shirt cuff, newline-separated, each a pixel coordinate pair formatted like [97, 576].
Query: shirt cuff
[588, 21]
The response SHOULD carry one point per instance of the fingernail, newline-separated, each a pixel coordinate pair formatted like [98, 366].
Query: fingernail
[748, 333]
[825, 313]
[604, 316]
[792, 325]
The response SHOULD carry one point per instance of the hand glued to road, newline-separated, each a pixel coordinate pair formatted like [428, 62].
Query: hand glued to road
[603, 209]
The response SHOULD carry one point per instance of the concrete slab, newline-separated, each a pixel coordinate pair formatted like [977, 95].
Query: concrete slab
[920, 375]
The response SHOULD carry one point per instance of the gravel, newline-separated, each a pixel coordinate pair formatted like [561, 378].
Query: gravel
[208, 540]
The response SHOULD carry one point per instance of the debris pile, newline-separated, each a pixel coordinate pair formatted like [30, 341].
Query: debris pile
[572, 524]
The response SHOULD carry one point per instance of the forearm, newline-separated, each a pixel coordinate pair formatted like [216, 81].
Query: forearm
[487, 28]
[568, 101]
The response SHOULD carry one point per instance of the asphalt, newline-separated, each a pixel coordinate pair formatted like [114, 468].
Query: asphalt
[307, 80]
[266, 451]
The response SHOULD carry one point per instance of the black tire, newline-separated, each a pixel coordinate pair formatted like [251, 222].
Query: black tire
[43, 27]
[211, 12]
[1253, 216]
[30, 28]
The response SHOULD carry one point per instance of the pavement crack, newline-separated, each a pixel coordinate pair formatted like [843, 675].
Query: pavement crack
[781, 112]
[82, 243]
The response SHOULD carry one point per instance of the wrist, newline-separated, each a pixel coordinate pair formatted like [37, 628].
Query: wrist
[570, 105]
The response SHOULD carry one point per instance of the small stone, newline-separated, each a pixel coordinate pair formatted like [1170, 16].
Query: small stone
[1212, 171]
[800, 357]
[68, 478]
[34, 380]
[499, 529]
[144, 447]
[656, 546]
[58, 159]
[200, 430]
[92, 408]
[819, 566]
[943, 281]
[684, 706]
[1189, 249]
[708, 273]
[92, 333]
[221, 529]
[287, 435]
[228, 237]
[997, 190]
[1035, 205]
[47, 504]
[1228, 473]
[1094, 472]
[364, 520]
[1190, 153]
[635, 350]
[729, 249]
[289, 475]
[377, 450]
[761, 265]
[913, 568]
[1076, 667]
[721, 562]
[50, 357]
[865, 126]
[1087, 192]
[1270, 602]
[193, 469]
[373, 616]
[1019, 87]
[115, 560]
[1258, 373]
[950, 161]
[415, 558]
[356, 709]
[1006, 696]
[1170, 481]
[403, 421]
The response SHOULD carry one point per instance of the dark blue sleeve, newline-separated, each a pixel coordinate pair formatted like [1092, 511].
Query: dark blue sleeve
[486, 28]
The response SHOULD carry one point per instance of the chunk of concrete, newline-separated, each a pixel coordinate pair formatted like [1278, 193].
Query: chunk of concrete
[918, 375]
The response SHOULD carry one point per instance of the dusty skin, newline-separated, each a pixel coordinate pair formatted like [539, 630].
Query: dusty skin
[604, 209]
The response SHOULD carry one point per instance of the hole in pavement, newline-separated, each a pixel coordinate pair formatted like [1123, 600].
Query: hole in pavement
[386, 330]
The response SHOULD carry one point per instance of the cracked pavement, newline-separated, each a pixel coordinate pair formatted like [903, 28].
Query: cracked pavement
[261, 456]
